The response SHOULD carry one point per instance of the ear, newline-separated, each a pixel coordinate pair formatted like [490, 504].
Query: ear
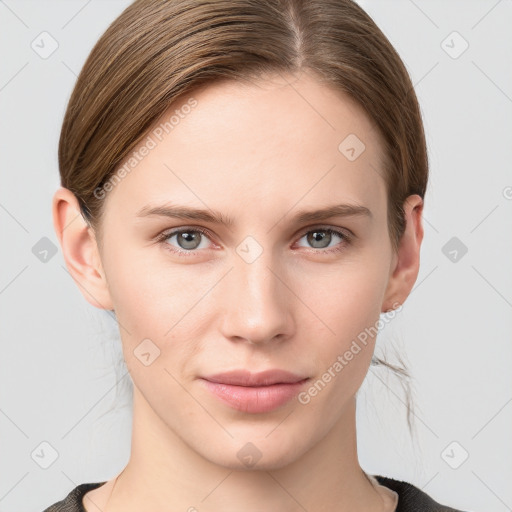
[406, 261]
[79, 248]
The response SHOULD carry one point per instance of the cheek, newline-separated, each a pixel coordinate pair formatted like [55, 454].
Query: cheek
[155, 311]
[148, 292]
[347, 306]
[343, 350]
[344, 299]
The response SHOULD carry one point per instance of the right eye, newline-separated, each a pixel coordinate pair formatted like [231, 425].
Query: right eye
[187, 240]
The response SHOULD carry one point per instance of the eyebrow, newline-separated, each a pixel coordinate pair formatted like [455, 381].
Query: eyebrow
[213, 217]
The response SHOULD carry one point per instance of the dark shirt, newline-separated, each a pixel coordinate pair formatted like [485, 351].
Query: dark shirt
[410, 498]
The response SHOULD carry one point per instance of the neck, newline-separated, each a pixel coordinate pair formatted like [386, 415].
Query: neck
[164, 473]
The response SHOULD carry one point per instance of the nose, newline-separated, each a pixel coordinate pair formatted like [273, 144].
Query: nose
[257, 302]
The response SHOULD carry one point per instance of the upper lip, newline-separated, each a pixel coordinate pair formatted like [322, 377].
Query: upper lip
[246, 378]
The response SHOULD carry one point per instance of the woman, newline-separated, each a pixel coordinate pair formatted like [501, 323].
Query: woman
[242, 186]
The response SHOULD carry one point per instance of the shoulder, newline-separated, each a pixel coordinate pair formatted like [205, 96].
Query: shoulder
[73, 501]
[410, 498]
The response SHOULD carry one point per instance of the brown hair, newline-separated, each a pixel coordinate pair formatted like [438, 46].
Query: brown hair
[158, 51]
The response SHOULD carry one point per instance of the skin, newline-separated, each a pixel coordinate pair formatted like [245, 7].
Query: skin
[257, 153]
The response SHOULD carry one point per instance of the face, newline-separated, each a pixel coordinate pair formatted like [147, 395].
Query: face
[256, 282]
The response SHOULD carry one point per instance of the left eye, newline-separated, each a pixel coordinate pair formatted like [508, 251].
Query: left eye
[322, 237]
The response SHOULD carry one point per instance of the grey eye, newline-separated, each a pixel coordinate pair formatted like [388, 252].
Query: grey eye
[187, 239]
[321, 237]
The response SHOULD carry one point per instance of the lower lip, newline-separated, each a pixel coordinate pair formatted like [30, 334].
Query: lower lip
[255, 399]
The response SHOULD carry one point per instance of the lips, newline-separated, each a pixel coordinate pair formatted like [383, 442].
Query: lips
[246, 378]
[254, 392]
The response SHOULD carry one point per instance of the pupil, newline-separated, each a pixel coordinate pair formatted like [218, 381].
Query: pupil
[320, 236]
[189, 240]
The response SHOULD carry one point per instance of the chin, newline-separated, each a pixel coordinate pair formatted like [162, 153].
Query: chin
[257, 453]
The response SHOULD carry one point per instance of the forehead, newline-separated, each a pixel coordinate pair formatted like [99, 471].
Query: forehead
[273, 112]
[273, 141]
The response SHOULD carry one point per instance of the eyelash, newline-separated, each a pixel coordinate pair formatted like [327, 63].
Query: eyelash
[163, 237]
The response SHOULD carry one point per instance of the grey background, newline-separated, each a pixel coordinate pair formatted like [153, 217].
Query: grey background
[57, 370]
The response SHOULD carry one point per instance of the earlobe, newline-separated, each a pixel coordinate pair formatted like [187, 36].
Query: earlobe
[406, 261]
[80, 249]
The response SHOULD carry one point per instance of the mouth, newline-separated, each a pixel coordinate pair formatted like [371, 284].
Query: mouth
[255, 392]
[246, 378]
